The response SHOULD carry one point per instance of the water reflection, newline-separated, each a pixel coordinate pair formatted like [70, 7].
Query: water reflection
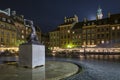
[32, 74]
[13, 72]
[9, 69]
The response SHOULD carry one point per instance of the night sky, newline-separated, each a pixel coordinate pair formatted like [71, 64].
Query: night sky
[48, 14]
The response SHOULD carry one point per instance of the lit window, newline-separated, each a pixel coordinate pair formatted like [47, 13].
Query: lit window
[118, 27]
[68, 31]
[22, 31]
[113, 28]
[22, 37]
[84, 43]
[73, 32]
[102, 41]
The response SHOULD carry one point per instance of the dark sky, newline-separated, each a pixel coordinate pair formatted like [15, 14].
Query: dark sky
[48, 14]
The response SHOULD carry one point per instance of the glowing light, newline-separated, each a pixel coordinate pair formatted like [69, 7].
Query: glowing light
[69, 46]
[113, 28]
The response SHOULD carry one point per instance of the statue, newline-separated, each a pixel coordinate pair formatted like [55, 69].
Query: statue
[32, 38]
[32, 53]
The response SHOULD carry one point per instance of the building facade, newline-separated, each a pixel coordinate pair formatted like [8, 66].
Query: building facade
[13, 31]
[66, 30]
[61, 37]
[55, 39]
[7, 31]
[102, 32]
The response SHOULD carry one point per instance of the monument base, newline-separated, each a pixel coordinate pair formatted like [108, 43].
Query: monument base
[31, 55]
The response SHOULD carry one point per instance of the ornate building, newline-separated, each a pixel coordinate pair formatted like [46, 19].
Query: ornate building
[19, 24]
[7, 31]
[13, 31]
[102, 32]
[61, 37]
[55, 39]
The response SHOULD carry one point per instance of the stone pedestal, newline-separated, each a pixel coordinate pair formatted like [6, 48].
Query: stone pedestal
[31, 55]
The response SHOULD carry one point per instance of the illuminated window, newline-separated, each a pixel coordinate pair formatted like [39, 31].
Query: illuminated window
[118, 27]
[84, 43]
[68, 31]
[22, 31]
[73, 32]
[22, 37]
[102, 41]
[113, 28]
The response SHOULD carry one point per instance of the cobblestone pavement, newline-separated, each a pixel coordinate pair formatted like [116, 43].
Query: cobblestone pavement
[94, 70]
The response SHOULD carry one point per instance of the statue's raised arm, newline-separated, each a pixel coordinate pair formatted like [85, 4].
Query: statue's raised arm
[33, 36]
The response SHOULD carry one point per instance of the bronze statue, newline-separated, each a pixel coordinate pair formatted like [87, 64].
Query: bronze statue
[33, 36]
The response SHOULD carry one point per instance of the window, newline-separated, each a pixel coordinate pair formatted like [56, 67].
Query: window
[118, 27]
[22, 37]
[22, 31]
[73, 32]
[68, 31]
[102, 41]
[113, 28]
